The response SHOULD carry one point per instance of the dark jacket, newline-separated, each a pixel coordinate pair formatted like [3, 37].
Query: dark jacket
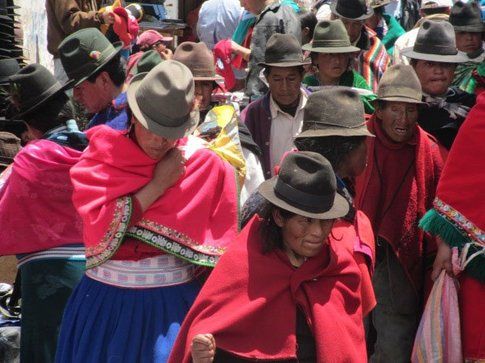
[442, 123]
[276, 18]
[257, 117]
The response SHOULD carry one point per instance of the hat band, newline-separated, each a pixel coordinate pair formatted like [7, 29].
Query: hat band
[331, 43]
[434, 49]
[315, 125]
[306, 202]
[298, 59]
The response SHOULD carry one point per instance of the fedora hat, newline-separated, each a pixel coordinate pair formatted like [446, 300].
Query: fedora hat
[435, 42]
[330, 36]
[162, 100]
[9, 147]
[351, 9]
[31, 87]
[147, 62]
[466, 17]
[85, 52]
[199, 59]
[8, 67]
[335, 111]
[306, 185]
[400, 84]
[283, 50]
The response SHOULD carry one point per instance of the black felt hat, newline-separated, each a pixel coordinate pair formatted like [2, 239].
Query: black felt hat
[351, 9]
[466, 17]
[283, 50]
[306, 185]
[8, 67]
[31, 87]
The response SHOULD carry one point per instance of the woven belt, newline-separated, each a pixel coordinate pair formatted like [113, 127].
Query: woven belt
[159, 271]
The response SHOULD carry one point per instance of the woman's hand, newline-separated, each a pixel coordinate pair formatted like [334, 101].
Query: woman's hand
[442, 260]
[240, 50]
[203, 348]
[167, 172]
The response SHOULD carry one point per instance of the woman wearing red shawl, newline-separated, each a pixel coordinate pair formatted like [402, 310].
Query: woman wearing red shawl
[289, 288]
[458, 219]
[395, 191]
[155, 204]
[38, 220]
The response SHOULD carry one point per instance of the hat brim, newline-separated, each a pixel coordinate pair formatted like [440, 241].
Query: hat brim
[48, 97]
[469, 28]
[172, 133]
[384, 3]
[399, 99]
[349, 49]
[335, 131]
[214, 78]
[333, 8]
[284, 64]
[339, 209]
[118, 46]
[457, 58]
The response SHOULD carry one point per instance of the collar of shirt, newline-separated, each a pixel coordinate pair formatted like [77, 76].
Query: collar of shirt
[275, 109]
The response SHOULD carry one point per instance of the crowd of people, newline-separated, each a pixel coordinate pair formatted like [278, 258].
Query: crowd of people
[285, 187]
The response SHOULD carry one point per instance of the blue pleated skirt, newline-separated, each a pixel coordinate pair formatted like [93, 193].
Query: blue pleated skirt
[104, 323]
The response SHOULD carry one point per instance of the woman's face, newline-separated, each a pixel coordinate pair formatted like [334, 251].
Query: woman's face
[203, 92]
[356, 161]
[331, 66]
[468, 42]
[153, 145]
[302, 236]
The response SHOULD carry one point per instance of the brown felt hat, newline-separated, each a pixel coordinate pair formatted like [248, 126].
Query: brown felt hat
[283, 50]
[466, 17]
[400, 83]
[330, 36]
[336, 111]
[162, 100]
[199, 59]
[435, 42]
[306, 185]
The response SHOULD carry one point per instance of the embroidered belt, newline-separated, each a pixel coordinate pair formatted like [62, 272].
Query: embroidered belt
[159, 271]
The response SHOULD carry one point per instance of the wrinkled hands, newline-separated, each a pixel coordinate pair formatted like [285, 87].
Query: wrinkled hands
[203, 348]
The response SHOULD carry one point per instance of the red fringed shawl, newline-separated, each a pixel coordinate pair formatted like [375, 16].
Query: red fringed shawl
[195, 219]
[416, 196]
[36, 211]
[249, 301]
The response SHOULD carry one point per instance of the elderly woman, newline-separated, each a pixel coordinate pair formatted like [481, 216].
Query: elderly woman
[331, 54]
[289, 288]
[155, 205]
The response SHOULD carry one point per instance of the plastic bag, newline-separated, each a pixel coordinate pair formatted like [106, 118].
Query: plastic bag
[439, 335]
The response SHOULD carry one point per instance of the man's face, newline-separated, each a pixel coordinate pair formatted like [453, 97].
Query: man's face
[398, 120]
[94, 96]
[468, 42]
[284, 84]
[435, 77]
[354, 28]
[203, 92]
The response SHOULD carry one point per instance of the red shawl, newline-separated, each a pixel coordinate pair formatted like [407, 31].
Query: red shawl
[249, 301]
[195, 219]
[36, 211]
[401, 230]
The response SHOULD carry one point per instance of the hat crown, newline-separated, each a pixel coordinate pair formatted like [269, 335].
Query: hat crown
[466, 15]
[166, 93]
[338, 107]
[436, 38]
[283, 48]
[331, 33]
[84, 51]
[309, 176]
[8, 67]
[352, 9]
[197, 57]
[148, 61]
[400, 81]
[31, 85]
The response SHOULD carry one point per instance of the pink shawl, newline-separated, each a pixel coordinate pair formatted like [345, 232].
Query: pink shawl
[36, 211]
[195, 219]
